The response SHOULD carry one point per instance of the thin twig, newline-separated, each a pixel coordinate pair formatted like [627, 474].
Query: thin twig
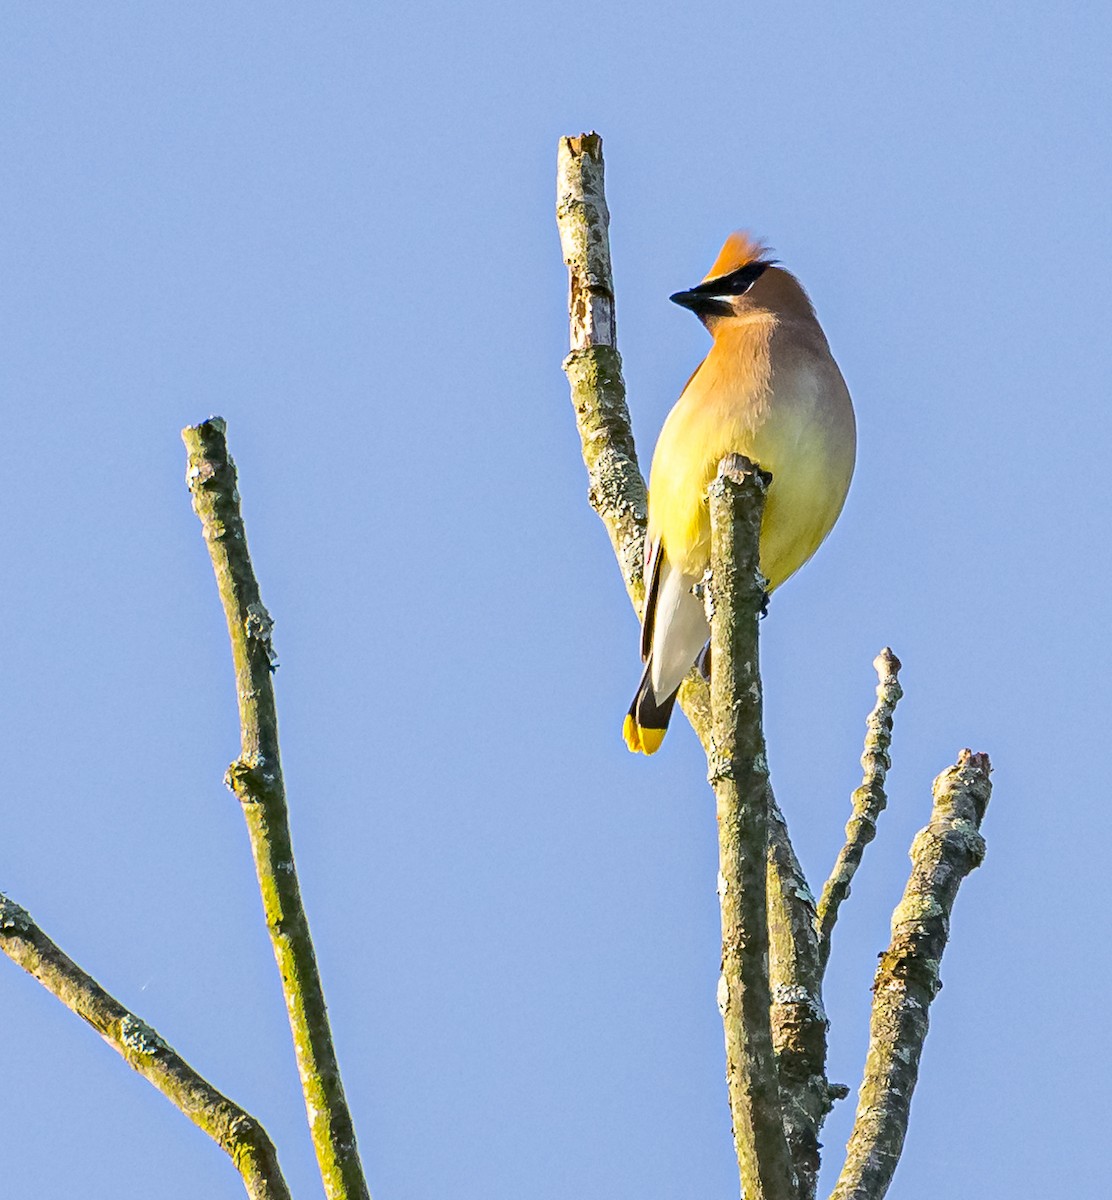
[869, 800]
[907, 979]
[256, 779]
[618, 495]
[739, 775]
[230, 1127]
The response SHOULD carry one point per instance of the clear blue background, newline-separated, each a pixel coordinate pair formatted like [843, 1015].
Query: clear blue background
[333, 224]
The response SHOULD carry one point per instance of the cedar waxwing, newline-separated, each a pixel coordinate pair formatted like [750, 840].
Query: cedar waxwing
[768, 389]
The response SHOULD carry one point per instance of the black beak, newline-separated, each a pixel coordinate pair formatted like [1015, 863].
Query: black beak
[701, 303]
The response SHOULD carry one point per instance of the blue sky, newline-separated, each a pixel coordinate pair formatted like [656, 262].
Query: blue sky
[333, 225]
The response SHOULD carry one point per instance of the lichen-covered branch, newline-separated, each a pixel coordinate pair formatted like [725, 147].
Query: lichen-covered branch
[799, 1023]
[907, 979]
[256, 779]
[594, 368]
[868, 801]
[738, 772]
[233, 1130]
[617, 493]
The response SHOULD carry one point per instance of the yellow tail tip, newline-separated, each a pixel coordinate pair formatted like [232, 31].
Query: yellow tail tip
[639, 739]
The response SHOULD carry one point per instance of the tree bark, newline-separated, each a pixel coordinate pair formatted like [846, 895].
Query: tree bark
[868, 801]
[907, 979]
[256, 779]
[232, 1128]
[738, 772]
[798, 930]
[618, 495]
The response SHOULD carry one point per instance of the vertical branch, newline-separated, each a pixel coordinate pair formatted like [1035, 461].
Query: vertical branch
[739, 776]
[616, 489]
[617, 494]
[584, 223]
[799, 1023]
[907, 979]
[868, 801]
[230, 1127]
[256, 779]
[798, 930]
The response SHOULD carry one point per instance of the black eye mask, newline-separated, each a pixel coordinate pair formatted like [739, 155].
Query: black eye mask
[707, 299]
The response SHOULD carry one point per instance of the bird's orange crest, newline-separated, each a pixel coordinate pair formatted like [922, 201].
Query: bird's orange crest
[740, 250]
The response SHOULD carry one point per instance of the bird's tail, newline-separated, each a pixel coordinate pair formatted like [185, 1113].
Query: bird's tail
[647, 720]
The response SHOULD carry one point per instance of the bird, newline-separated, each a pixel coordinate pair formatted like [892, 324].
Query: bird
[768, 389]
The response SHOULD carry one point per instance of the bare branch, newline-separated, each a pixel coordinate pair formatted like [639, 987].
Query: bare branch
[584, 223]
[256, 778]
[739, 776]
[594, 368]
[617, 493]
[233, 1130]
[907, 979]
[869, 800]
[799, 1023]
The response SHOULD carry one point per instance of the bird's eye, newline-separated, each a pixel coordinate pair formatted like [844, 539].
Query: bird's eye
[738, 282]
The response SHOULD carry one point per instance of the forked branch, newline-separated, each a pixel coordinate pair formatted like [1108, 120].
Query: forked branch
[617, 493]
[798, 931]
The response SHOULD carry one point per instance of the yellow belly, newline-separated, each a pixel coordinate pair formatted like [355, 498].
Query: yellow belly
[791, 439]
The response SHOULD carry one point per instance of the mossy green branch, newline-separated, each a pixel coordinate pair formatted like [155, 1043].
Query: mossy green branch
[868, 801]
[738, 772]
[907, 979]
[616, 488]
[256, 779]
[799, 1023]
[618, 495]
[230, 1127]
